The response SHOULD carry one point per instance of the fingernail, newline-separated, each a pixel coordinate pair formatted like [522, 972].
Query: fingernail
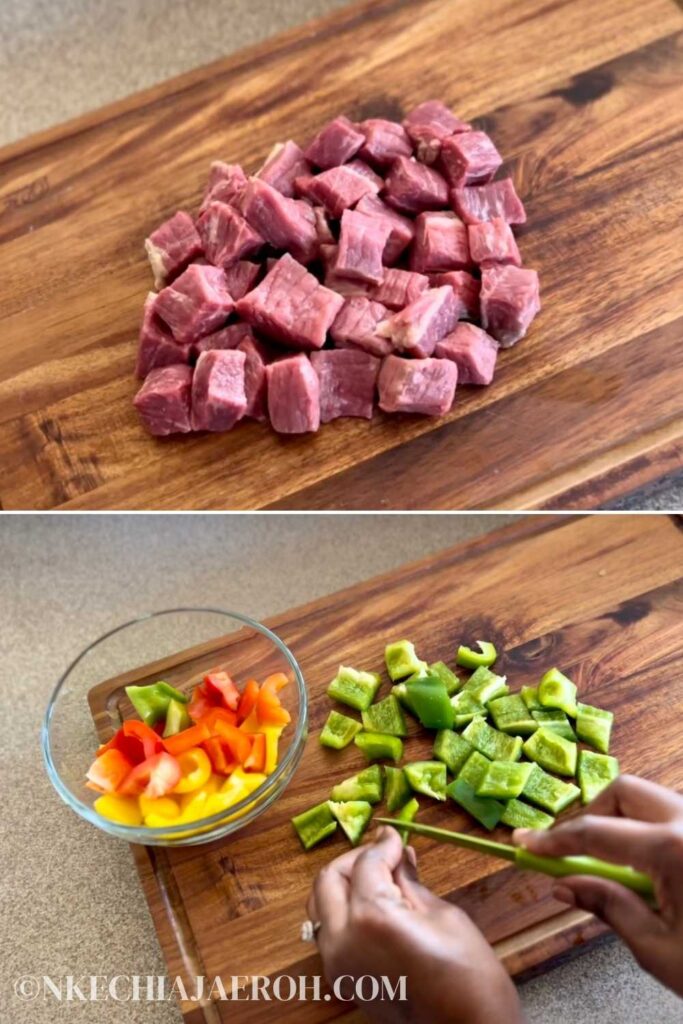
[521, 836]
[564, 895]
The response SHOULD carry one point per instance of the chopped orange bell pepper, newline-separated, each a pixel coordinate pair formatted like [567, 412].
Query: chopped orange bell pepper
[256, 761]
[215, 715]
[268, 706]
[248, 700]
[238, 742]
[187, 738]
[108, 771]
[220, 755]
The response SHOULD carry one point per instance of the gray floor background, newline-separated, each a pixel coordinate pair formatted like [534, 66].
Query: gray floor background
[70, 902]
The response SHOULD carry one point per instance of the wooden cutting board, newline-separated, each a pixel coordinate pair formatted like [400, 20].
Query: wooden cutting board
[582, 98]
[600, 597]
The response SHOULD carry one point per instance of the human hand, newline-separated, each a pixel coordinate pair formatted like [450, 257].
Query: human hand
[377, 919]
[631, 822]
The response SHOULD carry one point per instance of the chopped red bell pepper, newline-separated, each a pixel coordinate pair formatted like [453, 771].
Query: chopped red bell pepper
[268, 707]
[256, 762]
[200, 704]
[187, 738]
[238, 742]
[220, 755]
[108, 771]
[154, 777]
[221, 689]
[151, 743]
[247, 700]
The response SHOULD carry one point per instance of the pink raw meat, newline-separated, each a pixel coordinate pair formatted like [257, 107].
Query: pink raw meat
[293, 395]
[361, 243]
[164, 400]
[226, 184]
[412, 187]
[226, 236]
[170, 248]
[356, 325]
[344, 286]
[286, 224]
[399, 288]
[440, 243]
[334, 144]
[241, 278]
[348, 380]
[196, 303]
[402, 228]
[255, 380]
[492, 242]
[417, 328]
[284, 163]
[473, 350]
[509, 302]
[428, 124]
[336, 189]
[228, 337]
[157, 346]
[425, 386]
[322, 227]
[366, 171]
[475, 203]
[384, 142]
[465, 288]
[218, 396]
[469, 159]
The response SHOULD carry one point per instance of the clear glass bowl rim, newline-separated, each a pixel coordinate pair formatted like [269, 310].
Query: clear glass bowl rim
[157, 835]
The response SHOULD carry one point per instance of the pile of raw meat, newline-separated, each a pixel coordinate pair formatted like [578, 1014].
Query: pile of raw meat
[378, 264]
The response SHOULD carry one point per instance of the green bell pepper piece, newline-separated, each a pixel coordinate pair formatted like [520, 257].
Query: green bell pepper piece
[151, 702]
[548, 792]
[517, 814]
[427, 777]
[449, 679]
[486, 655]
[474, 769]
[366, 785]
[555, 690]
[497, 746]
[485, 810]
[357, 689]
[553, 718]
[353, 816]
[551, 751]
[407, 813]
[530, 697]
[401, 660]
[397, 789]
[504, 780]
[314, 825]
[177, 718]
[596, 771]
[465, 708]
[338, 731]
[452, 749]
[386, 717]
[485, 685]
[594, 726]
[510, 714]
[377, 746]
[428, 699]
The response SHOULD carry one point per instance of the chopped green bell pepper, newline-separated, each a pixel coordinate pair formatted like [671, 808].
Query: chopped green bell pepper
[452, 749]
[555, 690]
[353, 816]
[151, 702]
[548, 792]
[177, 718]
[517, 814]
[366, 785]
[486, 655]
[386, 717]
[357, 689]
[449, 679]
[594, 726]
[551, 751]
[407, 813]
[397, 789]
[428, 699]
[497, 746]
[338, 731]
[428, 777]
[485, 685]
[596, 771]
[314, 825]
[465, 708]
[484, 809]
[504, 779]
[401, 660]
[510, 714]
[376, 746]
[530, 698]
[474, 769]
[553, 718]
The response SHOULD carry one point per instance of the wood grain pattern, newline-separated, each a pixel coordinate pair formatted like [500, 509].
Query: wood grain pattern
[600, 596]
[592, 134]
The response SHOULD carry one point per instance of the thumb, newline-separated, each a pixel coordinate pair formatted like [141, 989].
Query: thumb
[417, 895]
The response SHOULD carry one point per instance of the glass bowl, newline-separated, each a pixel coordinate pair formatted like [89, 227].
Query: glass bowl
[179, 645]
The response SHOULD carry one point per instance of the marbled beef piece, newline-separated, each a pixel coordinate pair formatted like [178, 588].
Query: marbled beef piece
[255, 379]
[493, 242]
[170, 248]
[156, 345]
[334, 144]
[226, 184]
[366, 171]
[465, 288]
[197, 303]
[291, 306]
[425, 386]
[164, 400]
[476, 203]
[402, 228]
[440, 244]
[384, 142]
[286, 224]
[469, 158]
[356, 323]
[362, 239]
[345, 286]
[284, 163]
[218, 396]
[226, 236]
[411, 187]
[348, 379]
[227, 337]
[509, 302]
[416, 329]
[293, 395]
[474, 352]
[241, 278]
[336, 189]
[428, 125]
[399, 288]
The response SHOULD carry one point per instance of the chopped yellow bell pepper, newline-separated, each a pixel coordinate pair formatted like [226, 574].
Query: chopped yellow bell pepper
[124, 810]
[195, 770]
[251, 780]
[164, 806]
[272, 734]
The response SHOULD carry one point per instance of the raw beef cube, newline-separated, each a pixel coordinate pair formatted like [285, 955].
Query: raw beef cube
[291, 306]
[361, 243]
[473, 350]
[475, 203]
[428, 124]
[469, 159]
[164, 400]
[402, 229]
[417, 328]
[412, 187]
[218, 396]
[157, 346]
[255, 385]
[385, 141]
[226, 235]
[286, 224]
[226, 184]
[509, 301]
[399, 288]
[440, 243]
[336, 143]
[337, 282]
[241, 278]
[426, 386]
[293, 395]
[284, 163]
[366, 171]
[348, 380]
[172, 246]
[492, 242]
[196, 303]
[336, 189]
[322, 227]
[356, 325]
[228, 337]
[465, 288]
